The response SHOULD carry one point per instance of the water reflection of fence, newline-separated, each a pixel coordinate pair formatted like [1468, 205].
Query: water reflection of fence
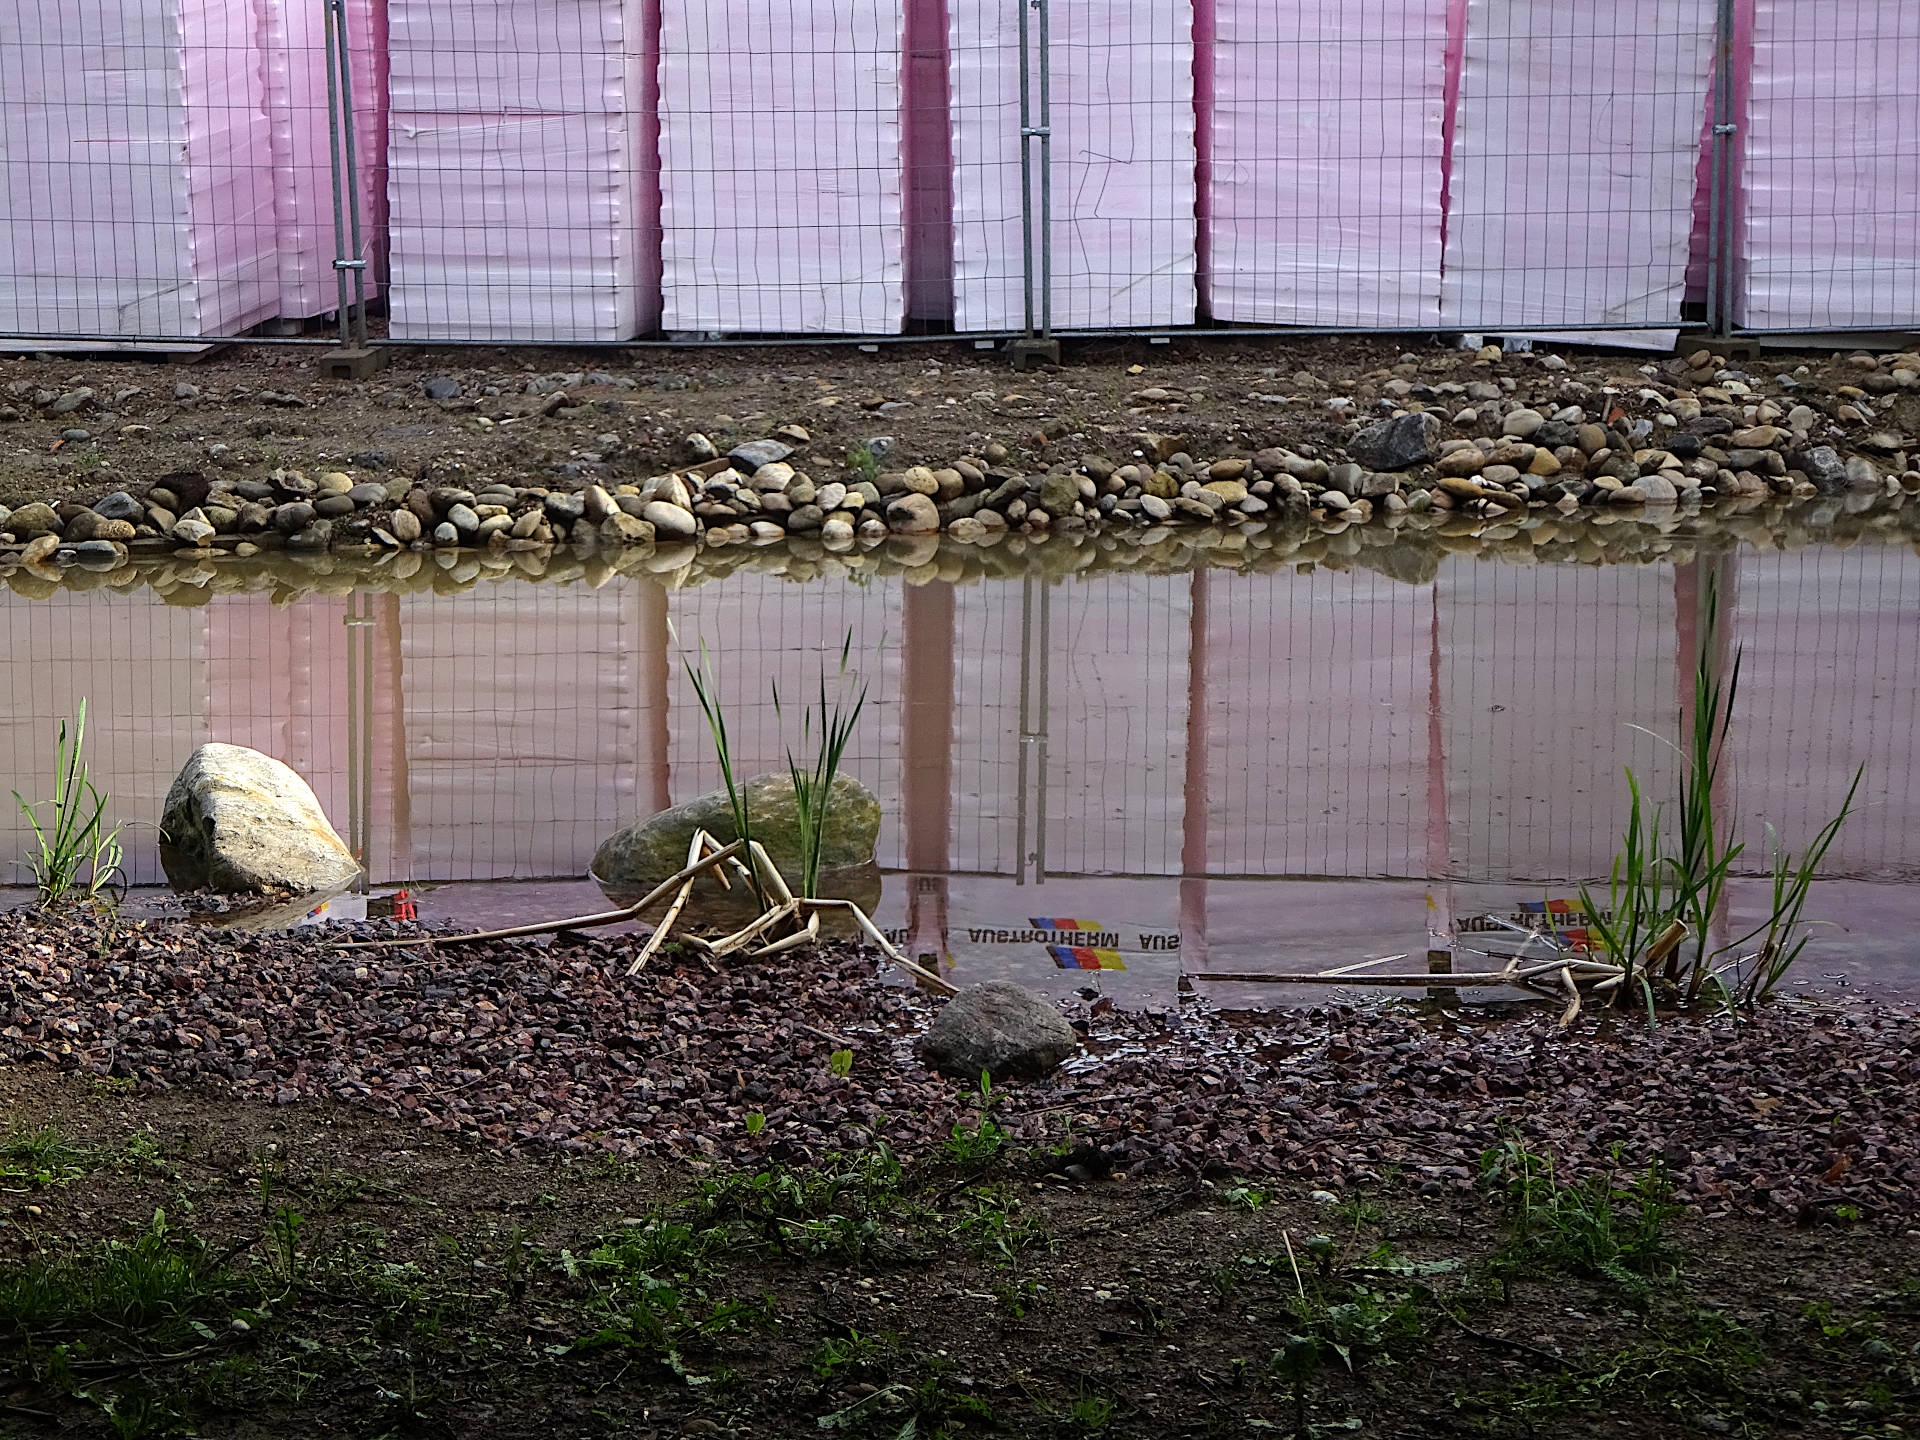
[1325, 725]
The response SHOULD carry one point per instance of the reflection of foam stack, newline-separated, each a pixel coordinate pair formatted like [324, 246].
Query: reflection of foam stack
[519, 186]
[135, 197]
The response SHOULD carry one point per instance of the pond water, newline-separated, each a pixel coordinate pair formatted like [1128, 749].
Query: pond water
[1214, 757]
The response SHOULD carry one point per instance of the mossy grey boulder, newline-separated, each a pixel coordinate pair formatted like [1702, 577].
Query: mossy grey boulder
[643, 855]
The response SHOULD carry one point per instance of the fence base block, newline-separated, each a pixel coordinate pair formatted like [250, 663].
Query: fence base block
[353, 364]
[1029, 351]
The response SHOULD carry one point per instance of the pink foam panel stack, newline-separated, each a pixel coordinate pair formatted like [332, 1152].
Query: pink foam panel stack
[1572, 178]
[135, 192]
[1123, 174]
[518, 175]
[1830, 234]
[294, 61]
[782, 158]
[1326, 162]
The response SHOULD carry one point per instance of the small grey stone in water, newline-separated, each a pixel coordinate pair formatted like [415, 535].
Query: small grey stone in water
[1825, 469]
[1000, 1027]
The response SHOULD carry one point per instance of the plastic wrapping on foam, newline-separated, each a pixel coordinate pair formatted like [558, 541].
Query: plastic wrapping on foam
[1830, 185]
[519, 180]
[782, 153]
[1573, 164]
[1326, 162]
[134, 192]
[1124, 233]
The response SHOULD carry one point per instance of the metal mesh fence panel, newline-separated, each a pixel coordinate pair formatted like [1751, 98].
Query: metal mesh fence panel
[136, 194]
[293, 59]
[783, 210]
[1829, 192]
[1112, 198]
[598, 171]
[1322, 131]
[521, 181]
[1572, 172]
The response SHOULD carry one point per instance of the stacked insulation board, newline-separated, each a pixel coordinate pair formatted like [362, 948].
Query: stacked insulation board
[519, 180]
[1574, 150]
[1122, 175]
[1326, 125]
[782, 158]
[135, 192]
[1830, 185]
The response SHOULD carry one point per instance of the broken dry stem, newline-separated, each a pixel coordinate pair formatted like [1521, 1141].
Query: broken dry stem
[701, 844]
[554, 927]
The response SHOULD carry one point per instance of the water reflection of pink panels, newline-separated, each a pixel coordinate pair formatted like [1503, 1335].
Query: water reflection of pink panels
[1145, 754]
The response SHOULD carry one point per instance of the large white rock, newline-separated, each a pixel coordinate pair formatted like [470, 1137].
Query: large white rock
[237, 820]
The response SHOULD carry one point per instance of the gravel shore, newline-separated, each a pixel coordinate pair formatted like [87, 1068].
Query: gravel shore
[527, 1046]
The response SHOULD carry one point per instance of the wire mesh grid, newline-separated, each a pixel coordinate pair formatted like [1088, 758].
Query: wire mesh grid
[523, 178]
[595, 171]
[783, 165]
[1828, 199]
[133, 193]
[1322, 161]
[1566, 206]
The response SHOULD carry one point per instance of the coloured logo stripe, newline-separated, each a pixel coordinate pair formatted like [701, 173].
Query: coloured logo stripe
[1079, 957]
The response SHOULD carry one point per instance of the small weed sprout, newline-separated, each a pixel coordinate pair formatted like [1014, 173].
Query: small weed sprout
[840, 1063]
[862, 465]
[756, 1122]
[1242, 1196]
[75, 848]
[982, 1141]
[1591, 1229]
[283, 1244]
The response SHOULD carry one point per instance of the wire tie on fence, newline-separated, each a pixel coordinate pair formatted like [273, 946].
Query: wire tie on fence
[1042, 131]
[349, 264]
[1726, 129]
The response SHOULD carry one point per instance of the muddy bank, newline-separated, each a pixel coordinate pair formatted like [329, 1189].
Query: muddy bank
[1796, 1113]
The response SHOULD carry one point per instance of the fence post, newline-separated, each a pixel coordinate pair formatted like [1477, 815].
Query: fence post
[355, 359]
[1036, 124]
[1721, 243]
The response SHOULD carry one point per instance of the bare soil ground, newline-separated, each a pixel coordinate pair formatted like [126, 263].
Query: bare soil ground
[251, 409]
[188, 1263]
